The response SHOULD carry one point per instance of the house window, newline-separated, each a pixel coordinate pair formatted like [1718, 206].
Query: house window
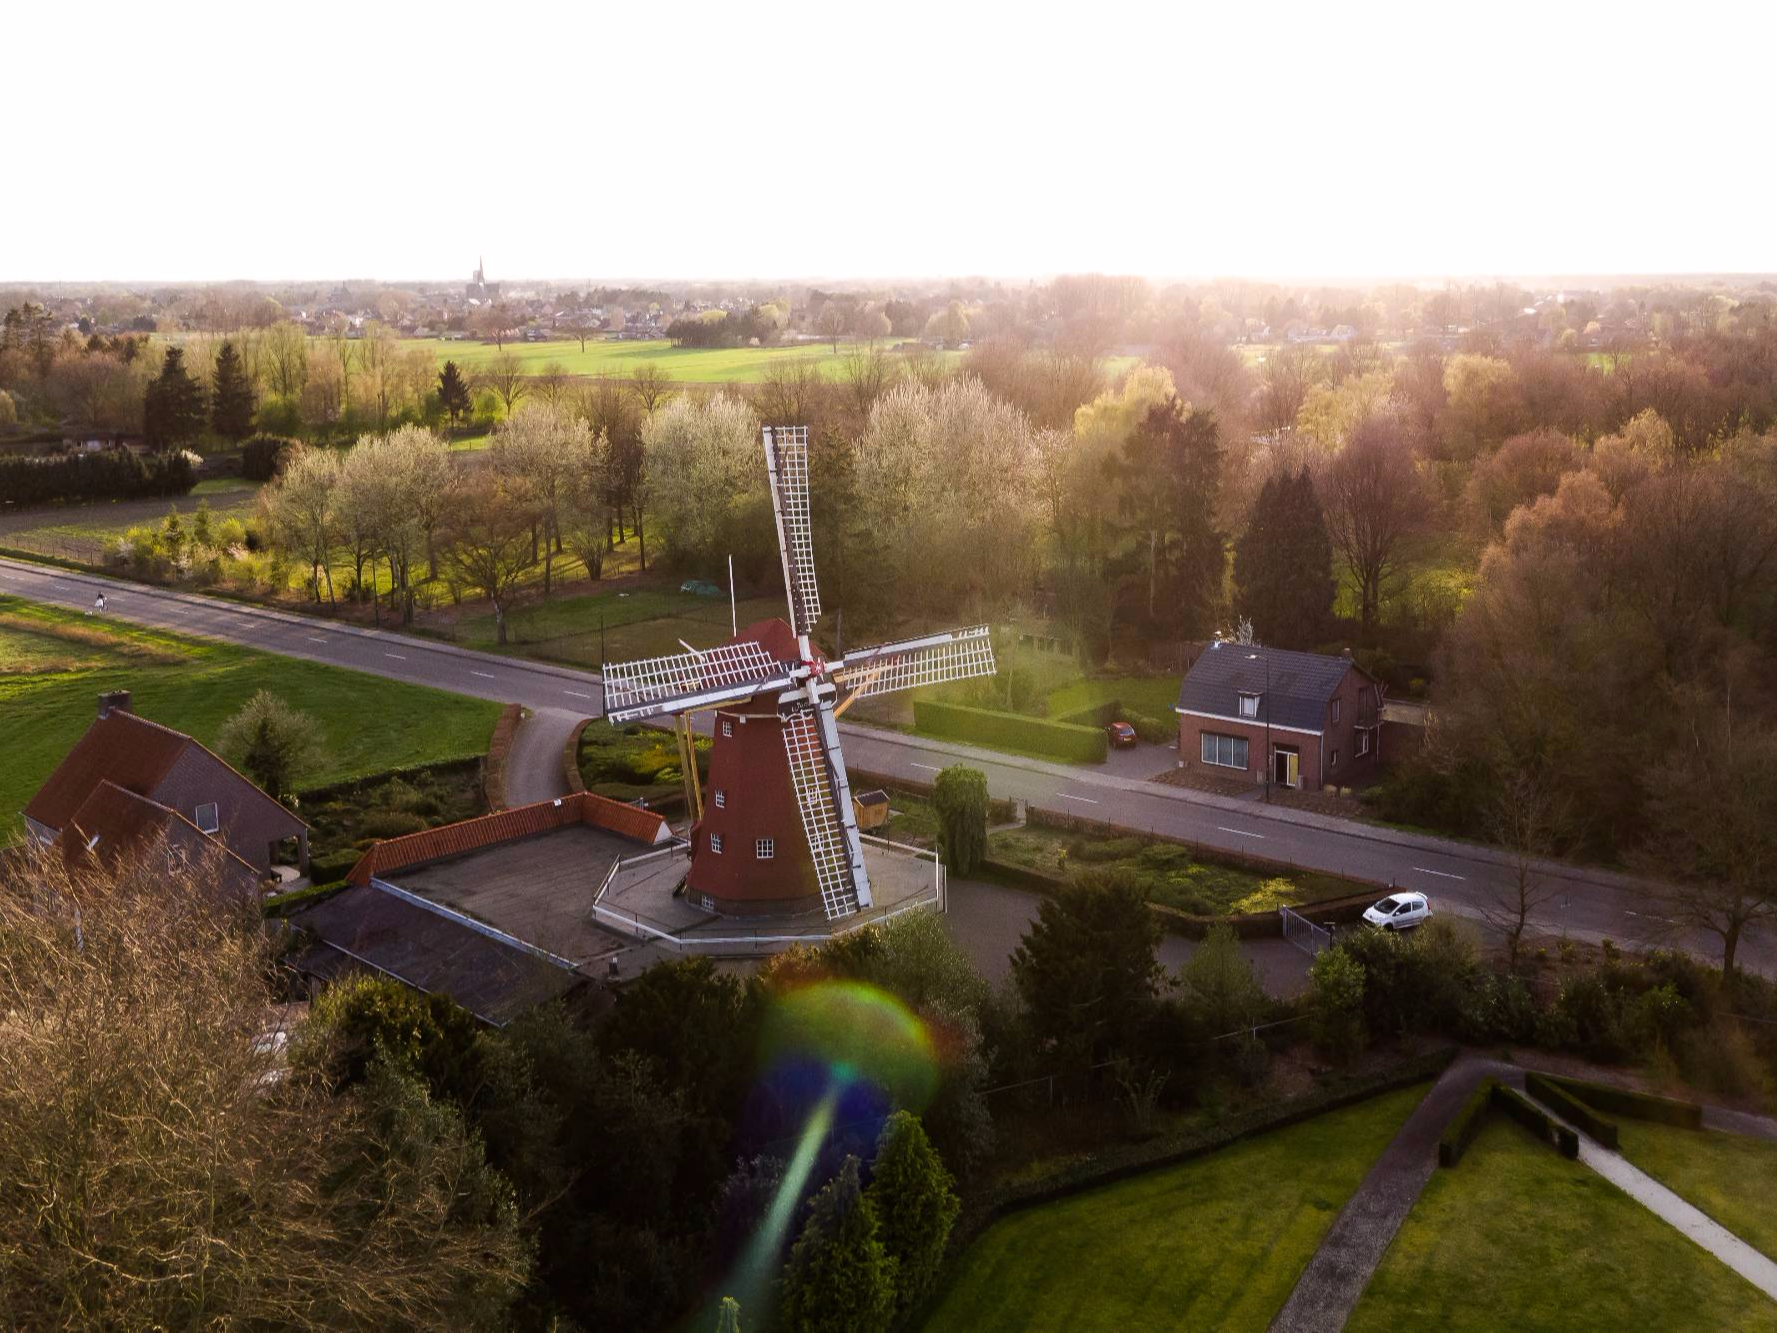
[727, 727]
[1249, 705]
[1334, 761]
[1335, 710]
[721, 799]
[206, 819]
[1224, 751]
[716, 843]
[1363, 740]
[765, 849]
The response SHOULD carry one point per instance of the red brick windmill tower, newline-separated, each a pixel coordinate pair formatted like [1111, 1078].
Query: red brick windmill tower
[778, 833]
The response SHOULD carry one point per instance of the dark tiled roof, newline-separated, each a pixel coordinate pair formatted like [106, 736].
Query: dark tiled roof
[112, 822]
[470, 835]
[120, 747]
[1295, 694]
[433, 952]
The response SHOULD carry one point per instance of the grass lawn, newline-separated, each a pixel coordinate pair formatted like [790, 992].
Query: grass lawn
[1516, 1237]
[639, 623]
[1152, 696]
[1213, 1243]
[55, 663]
[692, 365]
[1725, 1175]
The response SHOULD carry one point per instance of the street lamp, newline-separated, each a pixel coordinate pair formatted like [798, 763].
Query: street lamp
[1265, 703]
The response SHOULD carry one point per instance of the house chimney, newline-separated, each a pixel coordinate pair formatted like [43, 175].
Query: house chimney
[115, 699]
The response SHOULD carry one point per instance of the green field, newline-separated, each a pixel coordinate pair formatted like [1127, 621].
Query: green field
[1154, 696]
[1517, 1237]
[55, 663]
[1723, 1174]
[1214, 1243]
[690, 365]
[645, 622]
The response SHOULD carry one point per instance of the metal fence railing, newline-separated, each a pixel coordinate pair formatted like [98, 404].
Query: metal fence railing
[1303, 933]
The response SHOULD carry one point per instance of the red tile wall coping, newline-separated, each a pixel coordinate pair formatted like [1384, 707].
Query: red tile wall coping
[470, 835]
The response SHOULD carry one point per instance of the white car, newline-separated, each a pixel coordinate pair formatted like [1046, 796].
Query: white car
[1399, 911]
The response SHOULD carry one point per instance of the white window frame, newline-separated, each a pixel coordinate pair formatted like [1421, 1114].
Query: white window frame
[1249, 705]
[721, 799]
[1336, 702]
[197, 817]
[1363, 741]
[1210, 750]
[727, 726]
[764, 850]
[715, 844]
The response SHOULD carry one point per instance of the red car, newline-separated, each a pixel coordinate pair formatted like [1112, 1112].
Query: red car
[1122, 735]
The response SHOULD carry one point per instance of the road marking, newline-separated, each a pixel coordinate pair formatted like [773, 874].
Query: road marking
[485, 675]
[313, 639]
[1240, 832]
[1652, 916]
[397, 656]
[1068, 796]
[930, 768]
[577, 694]
[1441, 874]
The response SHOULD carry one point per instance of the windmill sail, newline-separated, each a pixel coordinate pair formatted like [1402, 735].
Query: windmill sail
[817, 772]
[684, 681]
[786, 466]
[931, 660]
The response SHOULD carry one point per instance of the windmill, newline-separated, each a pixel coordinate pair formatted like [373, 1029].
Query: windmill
[776, 769]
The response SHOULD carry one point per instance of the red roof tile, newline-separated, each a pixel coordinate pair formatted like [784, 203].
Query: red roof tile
[120, 747]
[471, 835]
[112, 822]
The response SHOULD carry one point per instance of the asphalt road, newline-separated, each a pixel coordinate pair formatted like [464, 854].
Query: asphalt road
[1460, 878]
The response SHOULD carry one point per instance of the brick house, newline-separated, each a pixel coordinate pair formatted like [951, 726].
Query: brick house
[1304, 720]
[138, 776]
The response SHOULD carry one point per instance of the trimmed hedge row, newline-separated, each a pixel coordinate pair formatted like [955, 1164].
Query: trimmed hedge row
[1632, 1105]
[1099, 715]
[1462, 1130]
[112, 474]
[1527, 1113]
[1011, 731]
[1571, 1109]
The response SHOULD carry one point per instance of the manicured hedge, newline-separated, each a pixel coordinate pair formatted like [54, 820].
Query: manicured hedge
[112, 474]
[1153, 730]
[1633, 1105]
[1099, 715]
[1570, 1108]
[1462, 1130]
[1526, 1113]
[1011, 731]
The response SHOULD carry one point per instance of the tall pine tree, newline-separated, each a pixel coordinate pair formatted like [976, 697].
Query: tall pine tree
[231, 412]
[453, 391]
[173, 405]
[838, 1275]
[1283, 564]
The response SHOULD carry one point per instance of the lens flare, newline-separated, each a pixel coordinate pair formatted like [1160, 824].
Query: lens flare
[856, 1033]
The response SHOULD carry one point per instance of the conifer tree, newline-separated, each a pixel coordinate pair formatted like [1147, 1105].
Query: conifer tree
[1283, 564]
[838, 1275]
[231, 414]
[173, 405]
[961, 798]
[453, 391]
[915, 1202]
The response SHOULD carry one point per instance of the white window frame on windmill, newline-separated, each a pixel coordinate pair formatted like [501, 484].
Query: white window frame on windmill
[764, 849]
[715, 844]
[721, 799]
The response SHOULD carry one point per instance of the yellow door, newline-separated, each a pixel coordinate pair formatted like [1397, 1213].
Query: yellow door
[1295, 775]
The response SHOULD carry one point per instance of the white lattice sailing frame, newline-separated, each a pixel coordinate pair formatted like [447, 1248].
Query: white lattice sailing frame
[786, 466]
[654, 685]
[824, 796]
[933, 660]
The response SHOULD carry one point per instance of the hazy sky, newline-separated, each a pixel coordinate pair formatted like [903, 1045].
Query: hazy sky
[605, 139]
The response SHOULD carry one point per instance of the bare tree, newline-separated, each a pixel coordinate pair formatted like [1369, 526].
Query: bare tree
[829, 322]
[1374, 501]
[1524, 817]
[505, 375]
[301, 507]
[539, 452]
[487, 537]
[652, 386]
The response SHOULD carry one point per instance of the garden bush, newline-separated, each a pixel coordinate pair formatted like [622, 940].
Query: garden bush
[331, 866]
[1098, 715]
[1153, 730]
[390, 824]
[1631, 1105]
[111, 474]
[1527, 1113]
[1466, 1125]
[261, 455]
[1570, 1108]
[1011, 731]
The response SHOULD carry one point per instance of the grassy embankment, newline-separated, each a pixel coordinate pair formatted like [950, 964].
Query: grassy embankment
[54, 664]
[1217, 1242]
[1516, 1237]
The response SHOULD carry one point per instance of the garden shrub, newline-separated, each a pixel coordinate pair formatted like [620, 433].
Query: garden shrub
[261, 455]
[1336, 999]
[1466, 1124]
[1722, 1058]
[1526, 1113]
[1098, 715]
[1593, 1013]
[1153, 730]
[1630, 1104]
[390, 824]
[1034, 735]
[1499, 1008]
[1570, 1108]
[333, 865]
